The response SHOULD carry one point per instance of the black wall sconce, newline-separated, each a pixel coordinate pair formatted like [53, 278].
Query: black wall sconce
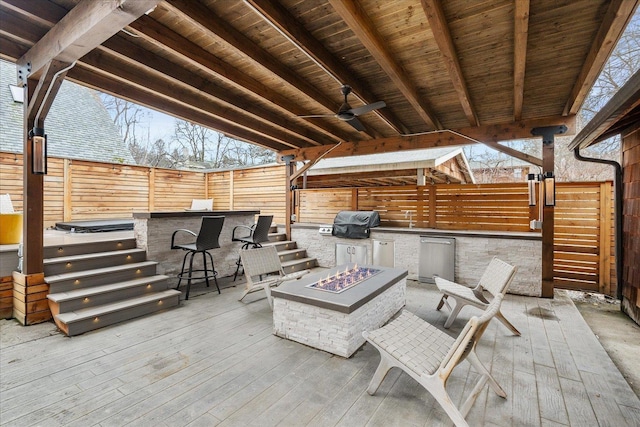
[38, 151]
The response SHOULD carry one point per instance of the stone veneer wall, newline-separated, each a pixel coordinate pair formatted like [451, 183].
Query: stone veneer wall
[154, 235]
[474, 251]
[332, 331]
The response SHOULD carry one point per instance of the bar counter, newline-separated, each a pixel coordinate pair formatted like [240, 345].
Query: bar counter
[153, 232]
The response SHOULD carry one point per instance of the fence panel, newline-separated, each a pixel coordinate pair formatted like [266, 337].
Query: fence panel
[491, 207]
[398, 206]
[219, 185]
[101, 190]
[11, 178]
[262, 188]
[322, 205]
[174, 190]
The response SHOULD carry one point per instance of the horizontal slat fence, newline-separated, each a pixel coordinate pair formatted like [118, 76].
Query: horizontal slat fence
[262, 188]
[584, 240]
[82, 190]
[499, 207]
[584, 255]
[101, 190]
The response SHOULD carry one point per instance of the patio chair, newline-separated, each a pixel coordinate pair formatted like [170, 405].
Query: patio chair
[429, 356]
[495, 280]
[252, 236]
[263, 270]
[206, 239]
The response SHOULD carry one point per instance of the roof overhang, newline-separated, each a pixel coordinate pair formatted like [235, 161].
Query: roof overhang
[619, 116]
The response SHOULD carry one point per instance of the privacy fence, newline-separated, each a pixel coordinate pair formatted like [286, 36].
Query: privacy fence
[80, 190]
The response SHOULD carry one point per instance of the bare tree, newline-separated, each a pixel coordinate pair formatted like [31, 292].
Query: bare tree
[623, 63]
[202, 145]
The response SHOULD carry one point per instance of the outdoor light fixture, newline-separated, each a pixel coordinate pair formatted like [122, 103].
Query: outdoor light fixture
[548, 181]
[531, 183]
[549, 189]
[38, 151]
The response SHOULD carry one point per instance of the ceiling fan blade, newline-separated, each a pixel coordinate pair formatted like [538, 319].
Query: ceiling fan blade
[356, 124]
[369, 107]
[318, 115]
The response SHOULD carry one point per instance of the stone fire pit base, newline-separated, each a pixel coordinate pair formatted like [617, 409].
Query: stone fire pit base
[333, 331]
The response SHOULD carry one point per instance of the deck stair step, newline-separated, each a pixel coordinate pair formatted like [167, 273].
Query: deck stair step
[74, 263]
[292, 254]
[277, 237]
[299, 265]
[282, 245]
[100, 276]
[88, 247]
[97, 284]
[105, 294]
[87, 319]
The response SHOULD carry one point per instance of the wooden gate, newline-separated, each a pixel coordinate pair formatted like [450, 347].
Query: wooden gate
[584, 238]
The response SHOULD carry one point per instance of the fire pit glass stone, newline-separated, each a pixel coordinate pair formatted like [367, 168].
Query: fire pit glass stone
[343, 280]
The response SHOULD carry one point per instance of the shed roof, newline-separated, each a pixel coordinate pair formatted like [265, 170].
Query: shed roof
[398, 168]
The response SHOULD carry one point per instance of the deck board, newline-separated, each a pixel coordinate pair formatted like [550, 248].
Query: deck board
[214, 361]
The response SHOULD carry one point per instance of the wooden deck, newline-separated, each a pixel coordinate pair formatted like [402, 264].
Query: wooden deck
[214, 361]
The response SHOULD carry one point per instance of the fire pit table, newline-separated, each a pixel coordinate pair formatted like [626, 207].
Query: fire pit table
[329, 310]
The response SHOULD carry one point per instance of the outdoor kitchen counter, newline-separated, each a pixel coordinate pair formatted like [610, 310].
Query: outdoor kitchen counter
[473, 251]
[153, 232]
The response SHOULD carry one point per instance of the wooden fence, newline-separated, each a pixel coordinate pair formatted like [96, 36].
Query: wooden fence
[583, 218]
[80, 190]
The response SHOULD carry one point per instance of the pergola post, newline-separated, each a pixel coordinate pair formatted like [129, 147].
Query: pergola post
[548, 164]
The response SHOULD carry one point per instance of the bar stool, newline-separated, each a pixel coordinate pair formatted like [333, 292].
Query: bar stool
[206, 239]
[258, 233]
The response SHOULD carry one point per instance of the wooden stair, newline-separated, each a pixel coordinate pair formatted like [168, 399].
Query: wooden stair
[292, 258]
[93, 285]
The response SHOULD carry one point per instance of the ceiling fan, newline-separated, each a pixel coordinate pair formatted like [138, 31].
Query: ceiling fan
[350, 115]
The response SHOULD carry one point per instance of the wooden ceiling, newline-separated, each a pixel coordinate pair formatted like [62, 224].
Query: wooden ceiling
[472, 71]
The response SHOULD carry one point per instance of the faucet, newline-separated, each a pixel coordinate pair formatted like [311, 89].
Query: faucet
[409, 214]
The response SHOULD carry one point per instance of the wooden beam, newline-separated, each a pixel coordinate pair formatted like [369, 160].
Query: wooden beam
[463, 136]
[382, 145]
[86, 26]
[623, 102]
[132, 53]
[44, 14]
[173, 93]
[128, 51]
[358, 20]
[108, 84]
[45, 91]
[280, 18]
[442, 36]
[159, 35]
[520, 37]
[615, 21]
[204, 19]
[514, 153]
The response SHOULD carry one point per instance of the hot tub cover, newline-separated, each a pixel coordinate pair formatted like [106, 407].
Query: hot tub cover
[355, 224]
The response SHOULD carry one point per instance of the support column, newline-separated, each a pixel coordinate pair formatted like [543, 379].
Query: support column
[289, 165]
[548, 164]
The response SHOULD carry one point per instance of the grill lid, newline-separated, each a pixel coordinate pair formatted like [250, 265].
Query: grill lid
[355, 224]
